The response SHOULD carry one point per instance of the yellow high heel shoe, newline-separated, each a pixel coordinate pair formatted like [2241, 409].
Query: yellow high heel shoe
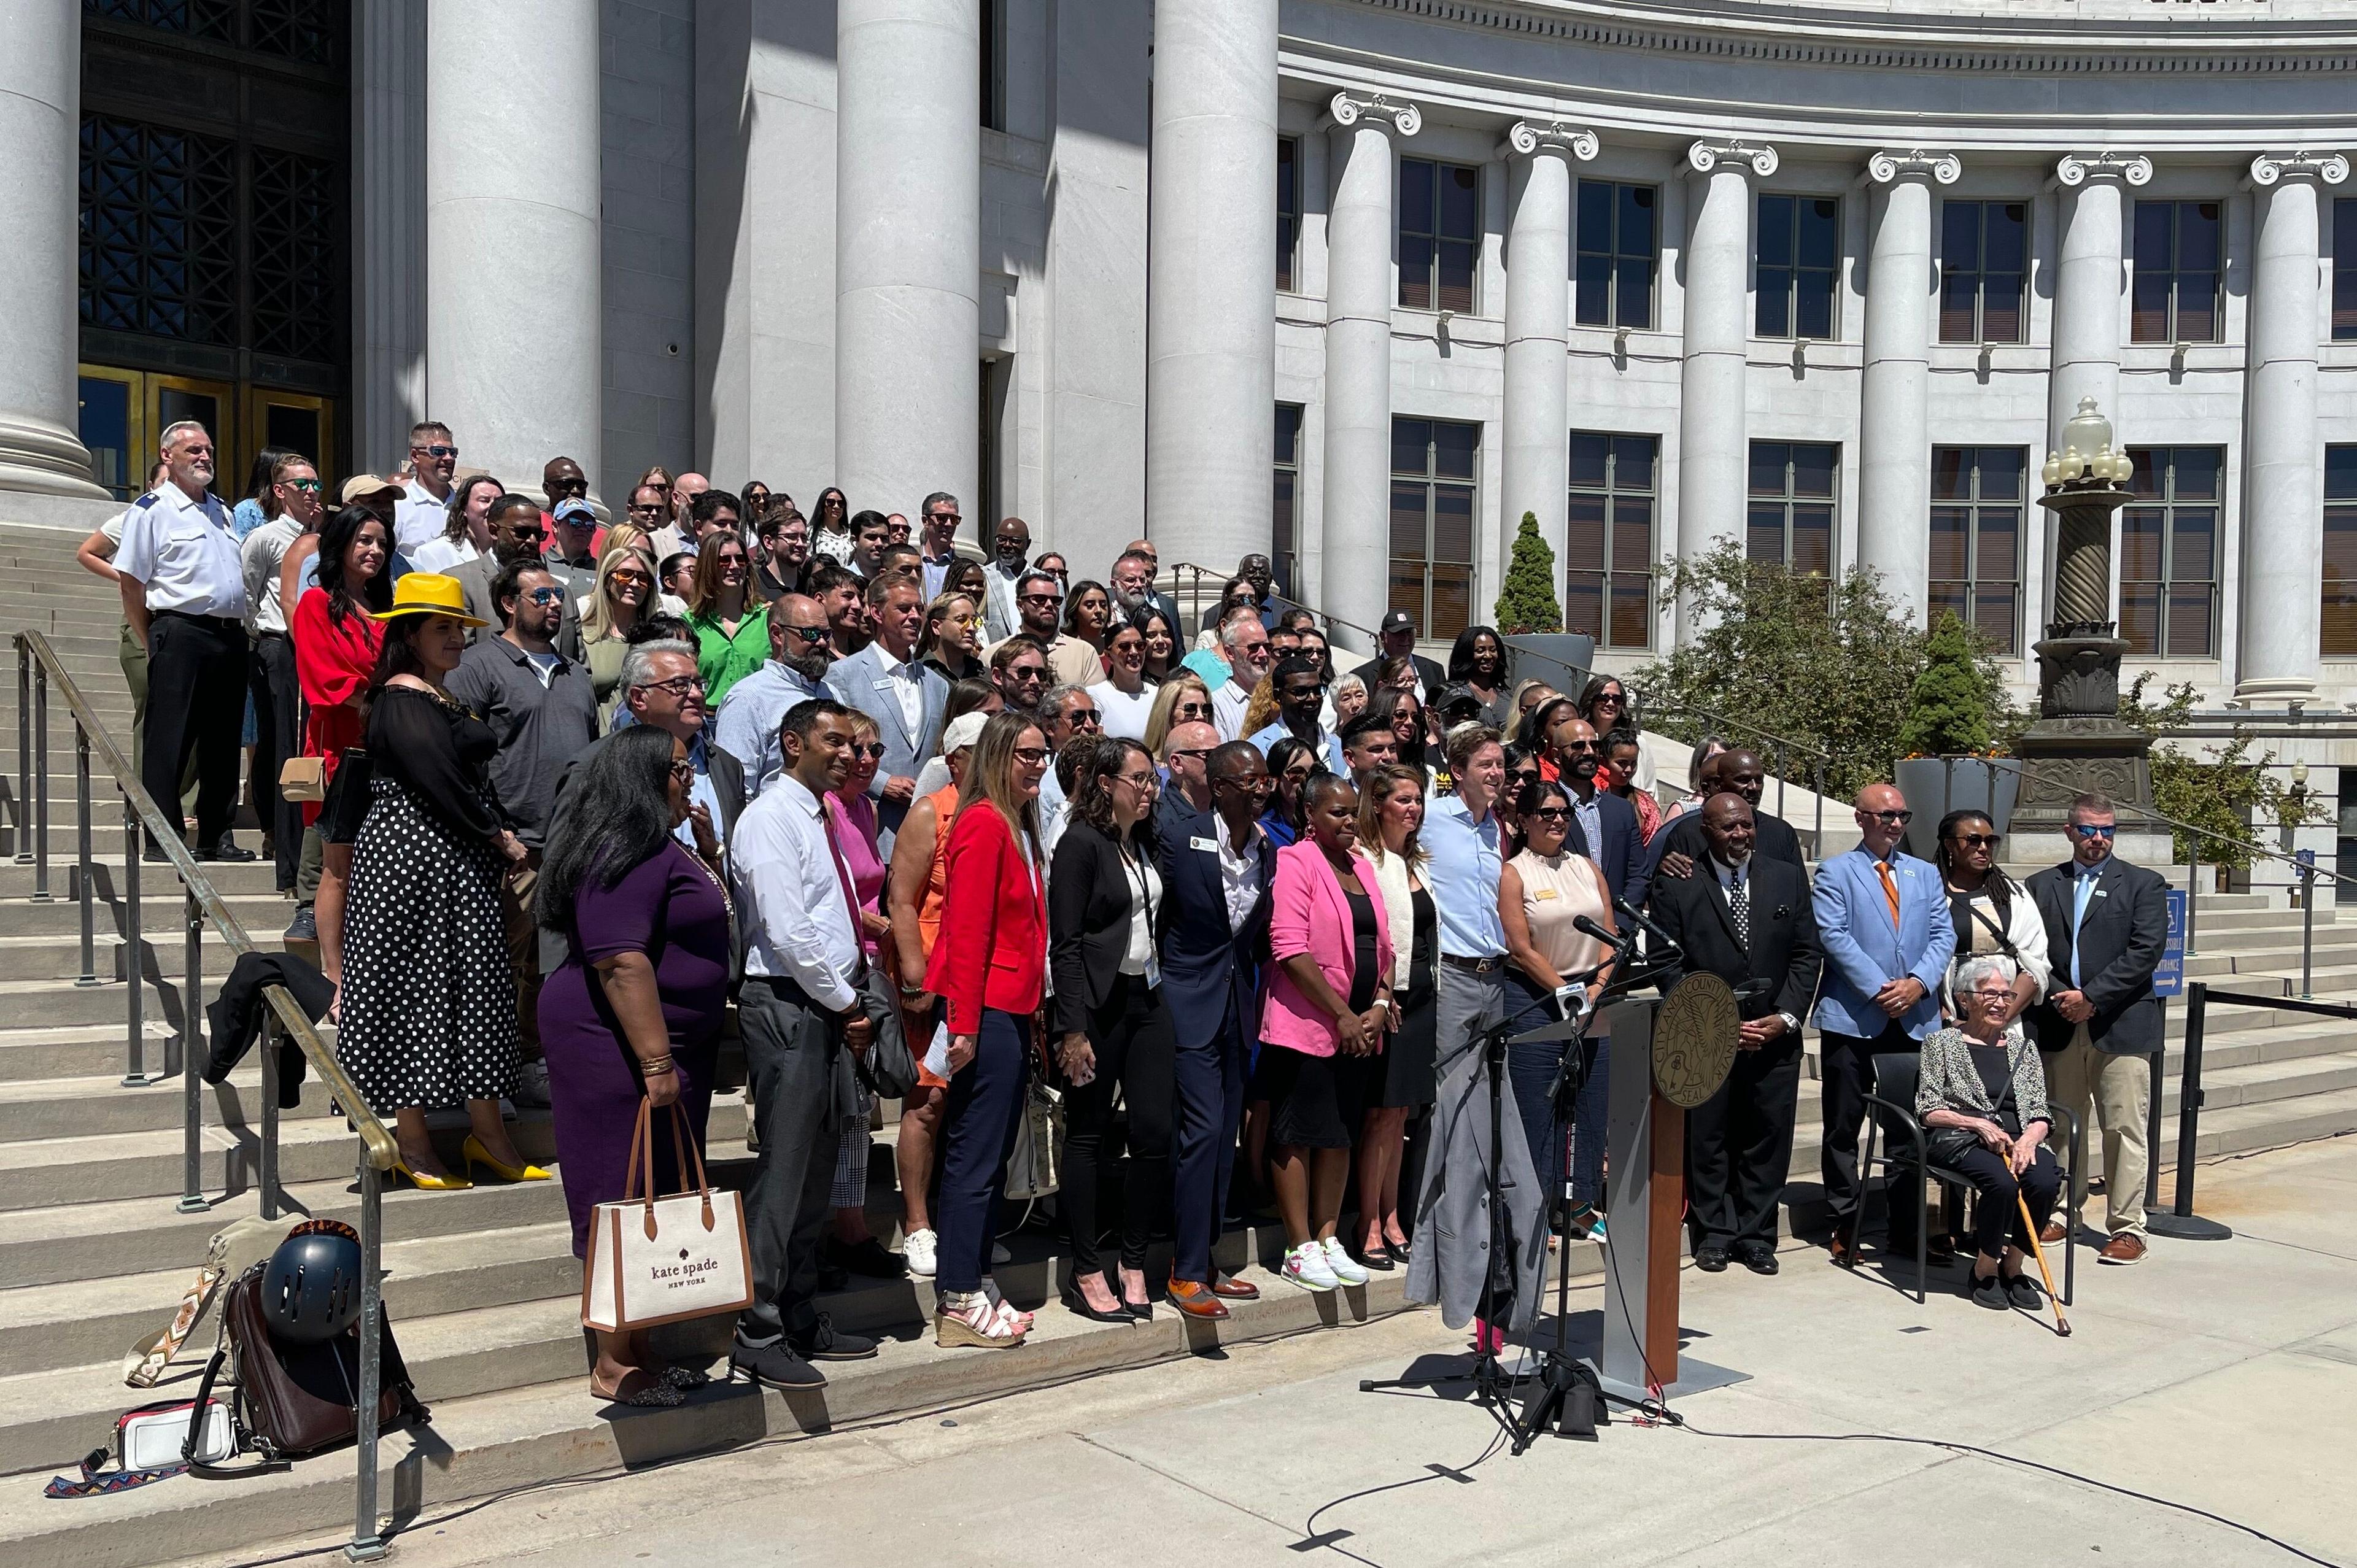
[474, 1150]
[424, 1182]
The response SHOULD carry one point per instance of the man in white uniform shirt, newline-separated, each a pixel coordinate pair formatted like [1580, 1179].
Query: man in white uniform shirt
[803, 1017]
[184, 596]
[425, 507]
[293, 505]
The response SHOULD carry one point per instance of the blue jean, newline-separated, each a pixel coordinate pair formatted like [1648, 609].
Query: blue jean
[1210, 1101]
[979, 1116]
[1531, 1071]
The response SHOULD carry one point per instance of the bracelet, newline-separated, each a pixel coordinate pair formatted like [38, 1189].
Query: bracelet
[658, 1066]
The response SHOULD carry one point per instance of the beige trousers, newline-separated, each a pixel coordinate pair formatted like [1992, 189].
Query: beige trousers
[2120, 1088]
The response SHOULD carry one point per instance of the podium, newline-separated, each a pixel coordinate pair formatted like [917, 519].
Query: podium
[1668, 1054]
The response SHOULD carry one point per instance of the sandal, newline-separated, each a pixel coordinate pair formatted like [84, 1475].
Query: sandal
[975, 1320]
[652, 1393]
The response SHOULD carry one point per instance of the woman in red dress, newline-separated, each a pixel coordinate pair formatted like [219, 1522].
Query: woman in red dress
[336, 646]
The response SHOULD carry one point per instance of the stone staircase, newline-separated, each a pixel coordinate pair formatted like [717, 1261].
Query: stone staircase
[481, 1285]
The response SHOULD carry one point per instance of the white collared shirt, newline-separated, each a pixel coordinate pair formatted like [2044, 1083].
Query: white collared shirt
[1239, 873]
[1735, 881]
[417, 519]
[907, 680]
[1229, 705]
[1145, 892]
[185, 552]
[790, 895]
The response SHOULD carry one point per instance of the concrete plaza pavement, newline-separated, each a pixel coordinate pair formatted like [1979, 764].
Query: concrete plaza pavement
[2223, 1376]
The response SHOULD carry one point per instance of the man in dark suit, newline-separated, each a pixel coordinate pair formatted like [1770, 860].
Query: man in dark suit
[1678, 848]
[1398, 632]
[1603, 826]
[885, 681]
[1748, 921]
[2107, 922]
[1216, 868]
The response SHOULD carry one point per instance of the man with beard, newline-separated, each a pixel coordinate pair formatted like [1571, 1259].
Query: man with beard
[1603, 826]
[1010, 557]
[747, 728]
[1131, 587]
[572, 529]
[1299, 694]
[517, 535]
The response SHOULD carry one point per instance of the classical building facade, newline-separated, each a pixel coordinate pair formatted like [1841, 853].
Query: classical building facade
[1363, 281]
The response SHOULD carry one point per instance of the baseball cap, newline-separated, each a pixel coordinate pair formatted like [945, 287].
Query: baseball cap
[575, 507]
[1457, 699]
[1399, 621]
[365, 487]
[963, 732]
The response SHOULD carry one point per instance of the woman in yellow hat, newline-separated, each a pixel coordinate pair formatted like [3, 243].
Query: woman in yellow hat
[430, 1015]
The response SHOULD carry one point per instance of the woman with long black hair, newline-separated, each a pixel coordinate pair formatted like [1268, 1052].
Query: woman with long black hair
[430, 1015]
[633, 1015]
[1115, 1037]
[337, 638]
[1477, 661]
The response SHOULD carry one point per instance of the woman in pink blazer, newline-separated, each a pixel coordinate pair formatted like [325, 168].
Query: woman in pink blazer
[1328, 1010]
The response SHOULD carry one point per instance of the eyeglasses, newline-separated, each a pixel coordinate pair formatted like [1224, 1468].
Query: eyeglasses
[1193, 751]
[535, 533]
[546, 595]
[683, 771]
[568, 488]
[1612, 698]
[868, 749]
[630, 574]
[1136, 780]
[1029, 674]
[1577, 746]
[1030, 755]
[2095, 830]
[949, 517]
[647, 509]
[1978, 841]
[680, 686]
[1986, 993]
[1258, 784]
[1890, 819]
[1191, 711]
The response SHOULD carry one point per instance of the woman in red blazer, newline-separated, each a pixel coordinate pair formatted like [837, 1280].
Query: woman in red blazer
[1327, 1008]
[989, 967]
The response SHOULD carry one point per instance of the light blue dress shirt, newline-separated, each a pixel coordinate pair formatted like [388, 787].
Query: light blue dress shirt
[701, 793]
[1463, 873]
[1334, 763]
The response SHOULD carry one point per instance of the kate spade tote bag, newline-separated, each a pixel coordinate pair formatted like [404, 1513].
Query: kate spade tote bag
[658, 1259]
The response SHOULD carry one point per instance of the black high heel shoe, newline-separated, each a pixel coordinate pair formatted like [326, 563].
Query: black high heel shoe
[1074, 1302]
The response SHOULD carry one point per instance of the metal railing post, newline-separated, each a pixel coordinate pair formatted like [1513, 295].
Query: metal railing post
[368, 1544]
[40, 785]
[269, 1114]
[2307, 933]
[2158, 1065]
[137, 1075]
[2180, 1220]
[81, 857]
[2192, 892]
[1821, 809]
[24, 751]
[192, 1065]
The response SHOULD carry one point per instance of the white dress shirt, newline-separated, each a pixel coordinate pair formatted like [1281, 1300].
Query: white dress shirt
[790, 895]
[417, 519]
[184, 552]
[906, 680]
[1240, 874]
[260, 556]
[1229, 705]
[440, 555]
[1144, 893]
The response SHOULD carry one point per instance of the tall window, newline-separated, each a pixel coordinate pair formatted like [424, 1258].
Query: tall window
[994, 65]
[1790, 517]
[2169, 552]
[2179, 252]
[1977, 538]
[1619, 246]
[1434, 462]
[1439, 235]
[1285, 512]
[2341, 551]
[1983, 265]
[1289, 210]
[2344, 270]
[1608, 543]
[1800, 260]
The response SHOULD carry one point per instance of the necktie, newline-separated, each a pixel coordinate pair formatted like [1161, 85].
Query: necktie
[2083, 888]
[1739, 905]
[1890, 890]
[843, 875]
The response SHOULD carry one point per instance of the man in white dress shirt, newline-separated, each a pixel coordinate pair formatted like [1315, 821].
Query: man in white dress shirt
[293, 505]
[184, 596]
[424, 511]
[802, 1017]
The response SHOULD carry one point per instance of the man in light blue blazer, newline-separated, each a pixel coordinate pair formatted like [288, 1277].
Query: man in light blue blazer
[905, 698]
[1883, 917]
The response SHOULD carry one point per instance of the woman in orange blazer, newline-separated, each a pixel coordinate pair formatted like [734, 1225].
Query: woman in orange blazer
[989, 967]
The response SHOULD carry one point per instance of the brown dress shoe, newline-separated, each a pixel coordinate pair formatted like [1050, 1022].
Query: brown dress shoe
[2127, 1247]
[2055, 1231]
[1195, 1300]
[1234, 1289]
[1838, 1249]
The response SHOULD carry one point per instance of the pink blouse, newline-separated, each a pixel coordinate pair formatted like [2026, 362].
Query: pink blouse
[855, 829]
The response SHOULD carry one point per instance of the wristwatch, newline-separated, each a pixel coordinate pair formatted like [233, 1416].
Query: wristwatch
[1792, 1024]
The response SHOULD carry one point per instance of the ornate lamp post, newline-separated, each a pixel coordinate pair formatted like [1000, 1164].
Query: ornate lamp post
[2079, 742]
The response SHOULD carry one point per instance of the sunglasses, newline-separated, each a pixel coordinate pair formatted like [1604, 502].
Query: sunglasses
[683, 771]
[1259, 784]
[1890, 819]
[1043, 598]
[1194, 751]
[873, 750]
[814, 635]
[311, 487]
[1578, 746]
[1551, 813]
[1031, 756]
[680, 686]
[631, 576]
[1191, 711]
[649, 509]
[1978, 841]
[1612, 698]
[2095, 830]
[1086, 718]
[436, 451]
[546, 595]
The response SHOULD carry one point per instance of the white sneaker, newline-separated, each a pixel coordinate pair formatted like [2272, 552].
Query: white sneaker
[531, 1088]
[918, 1251]
[1306, 1266]
[1346, 1268]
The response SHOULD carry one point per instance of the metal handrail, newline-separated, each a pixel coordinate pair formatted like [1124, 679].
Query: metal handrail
[37, 665]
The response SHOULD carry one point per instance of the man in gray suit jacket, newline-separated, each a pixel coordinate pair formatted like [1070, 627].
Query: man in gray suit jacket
[2107, 922]
[884, 681]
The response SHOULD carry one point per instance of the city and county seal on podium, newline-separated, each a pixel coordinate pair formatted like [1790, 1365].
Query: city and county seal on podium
[1693, 1040]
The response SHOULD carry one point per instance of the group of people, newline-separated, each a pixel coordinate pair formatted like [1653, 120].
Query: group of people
[555, 793]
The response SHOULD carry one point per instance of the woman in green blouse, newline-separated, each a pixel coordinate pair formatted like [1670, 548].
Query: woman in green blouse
[732, 640]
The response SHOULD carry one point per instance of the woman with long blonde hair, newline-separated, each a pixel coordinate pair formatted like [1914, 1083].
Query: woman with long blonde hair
[623, 595]
[1182, 699]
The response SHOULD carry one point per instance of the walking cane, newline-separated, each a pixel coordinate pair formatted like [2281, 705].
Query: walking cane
[2062, 1324]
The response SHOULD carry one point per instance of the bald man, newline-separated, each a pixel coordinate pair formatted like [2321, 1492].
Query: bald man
[1883, 918]
[1678, 849]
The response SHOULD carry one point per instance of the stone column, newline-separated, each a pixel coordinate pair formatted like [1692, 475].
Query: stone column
[1713, 453]
[1359, 295]
[515, 308]
[2282, 520]
[1894, 432]
[389, 77]
[41, 151]
[1538, 322]
[908, 236]
[2088, 279]
[1210, 312]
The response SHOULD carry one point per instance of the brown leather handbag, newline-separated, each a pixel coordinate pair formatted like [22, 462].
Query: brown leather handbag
[293, 1400]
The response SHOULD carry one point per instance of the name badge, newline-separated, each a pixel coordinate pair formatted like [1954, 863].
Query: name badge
[2101, 893]
[1543, 893]
[1211, 846]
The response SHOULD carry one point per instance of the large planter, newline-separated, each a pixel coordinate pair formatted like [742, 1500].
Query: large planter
[1934, 786]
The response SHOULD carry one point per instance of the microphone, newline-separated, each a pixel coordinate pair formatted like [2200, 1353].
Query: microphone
[1661, 938]
[1588, 927]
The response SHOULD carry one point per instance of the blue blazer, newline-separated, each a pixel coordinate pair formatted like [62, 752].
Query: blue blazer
[1210, 975]
[1863, 953]
[859, 682]
[1622, 854]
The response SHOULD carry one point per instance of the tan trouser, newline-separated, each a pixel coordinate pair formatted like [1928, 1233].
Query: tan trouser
[523, 951]
[2121, 1089]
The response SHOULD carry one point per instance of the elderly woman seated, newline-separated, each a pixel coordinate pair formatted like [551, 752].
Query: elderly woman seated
[1982, 1099]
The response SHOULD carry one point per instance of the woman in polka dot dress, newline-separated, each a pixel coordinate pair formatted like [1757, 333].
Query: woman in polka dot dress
[429, 1016]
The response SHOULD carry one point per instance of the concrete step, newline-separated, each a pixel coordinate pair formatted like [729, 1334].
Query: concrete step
[63, 1005]
[2242, 1129]
[33, 1055]
[106, 829]
[158, 918]
[160, 954]
[157, 878]
[46, 1110]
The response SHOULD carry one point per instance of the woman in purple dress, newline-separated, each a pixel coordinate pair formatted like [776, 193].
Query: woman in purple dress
[634, 1013]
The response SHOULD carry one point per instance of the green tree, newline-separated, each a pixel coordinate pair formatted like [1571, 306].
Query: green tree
[1526, 600]
[2224, 794]
[1951, 706]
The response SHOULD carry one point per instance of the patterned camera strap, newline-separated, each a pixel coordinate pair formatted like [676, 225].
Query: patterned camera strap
[97, 1482]
[151, 1366]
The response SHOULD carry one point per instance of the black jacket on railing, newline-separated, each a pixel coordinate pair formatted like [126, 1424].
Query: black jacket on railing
[236, 1015]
